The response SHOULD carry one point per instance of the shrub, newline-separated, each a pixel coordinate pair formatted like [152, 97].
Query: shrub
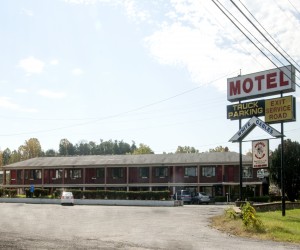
[220, 198]
[77, 194]
[37, 192]
[10, 192]
[57, 193]
[231, 213]
[275, 198]
[260, 199]
[100, 194]
[249, 217]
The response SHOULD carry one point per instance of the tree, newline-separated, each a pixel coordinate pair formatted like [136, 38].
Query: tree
[83, 148]
[15, 157]
[143, 149]
[186, 149]
[50, 153]
[291, 167]
[66, 147]
[31, 149]
[219, 149]
[6, 154]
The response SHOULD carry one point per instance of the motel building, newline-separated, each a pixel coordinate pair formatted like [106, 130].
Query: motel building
[215, 173]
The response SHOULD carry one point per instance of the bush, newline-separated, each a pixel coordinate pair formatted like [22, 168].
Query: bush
[220, 198]
[249, 217]
[77, 194]
[10, 192]
[121, 195]
[260, 199]
[275, 198]
[57, 193]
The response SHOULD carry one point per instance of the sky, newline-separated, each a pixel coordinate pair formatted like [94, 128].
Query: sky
[149, 71]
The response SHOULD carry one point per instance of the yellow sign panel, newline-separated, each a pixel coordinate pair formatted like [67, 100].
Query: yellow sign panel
[280, 109]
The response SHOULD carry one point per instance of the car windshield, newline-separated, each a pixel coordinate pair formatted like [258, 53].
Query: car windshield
[204, 194]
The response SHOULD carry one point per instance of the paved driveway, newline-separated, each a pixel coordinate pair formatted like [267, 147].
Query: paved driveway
[28, 226]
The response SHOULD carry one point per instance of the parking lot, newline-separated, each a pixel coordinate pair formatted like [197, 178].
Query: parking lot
[34, 226]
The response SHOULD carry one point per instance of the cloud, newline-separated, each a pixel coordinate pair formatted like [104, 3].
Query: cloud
[27, 12]
[86, 2]
[6, 103]
[31, 65]
[21, 90]
[77, 72]
[135, 13]
[51, 94]
[196, 36]
[54, 62]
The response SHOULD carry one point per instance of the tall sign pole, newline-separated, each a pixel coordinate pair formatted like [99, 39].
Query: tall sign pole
[241, 162]
[282, 171]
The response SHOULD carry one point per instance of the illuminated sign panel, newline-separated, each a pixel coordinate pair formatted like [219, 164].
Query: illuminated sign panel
[260, 153]
[246, 110]
[269, 82]
[280, 109]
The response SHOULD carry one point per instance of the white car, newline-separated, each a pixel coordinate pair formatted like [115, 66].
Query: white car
[67, 198]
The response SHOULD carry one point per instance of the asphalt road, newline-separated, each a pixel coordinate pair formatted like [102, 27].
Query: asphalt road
[31, 226]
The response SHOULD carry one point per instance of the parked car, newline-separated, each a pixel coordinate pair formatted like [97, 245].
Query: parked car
[183, 195]
[67, 198]
[200, 198]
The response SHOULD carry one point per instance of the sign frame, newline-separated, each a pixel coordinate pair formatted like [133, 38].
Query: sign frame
[283, 109]
[246, 110]
[260, 153]
[250, 125]
[263, 83]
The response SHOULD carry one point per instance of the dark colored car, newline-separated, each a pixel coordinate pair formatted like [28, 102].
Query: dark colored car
[200, 198]
[183, 195]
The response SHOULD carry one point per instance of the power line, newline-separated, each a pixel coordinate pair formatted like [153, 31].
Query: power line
[267, 41]
[264, 37]
[241, 29]
[294, 7]
[269, 34]
[118, 114]
[248, 36]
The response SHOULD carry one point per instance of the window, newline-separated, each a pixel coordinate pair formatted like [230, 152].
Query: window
[144, 172]
[190, 171]
[37, 174]
[247, 172]
[209, 171]
[99, 172]
[58, 173]
[161, 172]
[33, 174]
[75, 173]
[26, 174]
[19, 175]
[117, 173]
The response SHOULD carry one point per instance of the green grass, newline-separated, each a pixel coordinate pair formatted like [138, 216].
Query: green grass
[282, 228]
[275, 226]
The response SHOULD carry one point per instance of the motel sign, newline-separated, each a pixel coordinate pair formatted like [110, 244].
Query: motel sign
[265, 83]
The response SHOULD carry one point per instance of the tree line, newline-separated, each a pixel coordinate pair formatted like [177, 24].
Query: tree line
[32, 148]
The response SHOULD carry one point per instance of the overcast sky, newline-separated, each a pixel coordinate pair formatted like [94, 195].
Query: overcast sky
[149, 71]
